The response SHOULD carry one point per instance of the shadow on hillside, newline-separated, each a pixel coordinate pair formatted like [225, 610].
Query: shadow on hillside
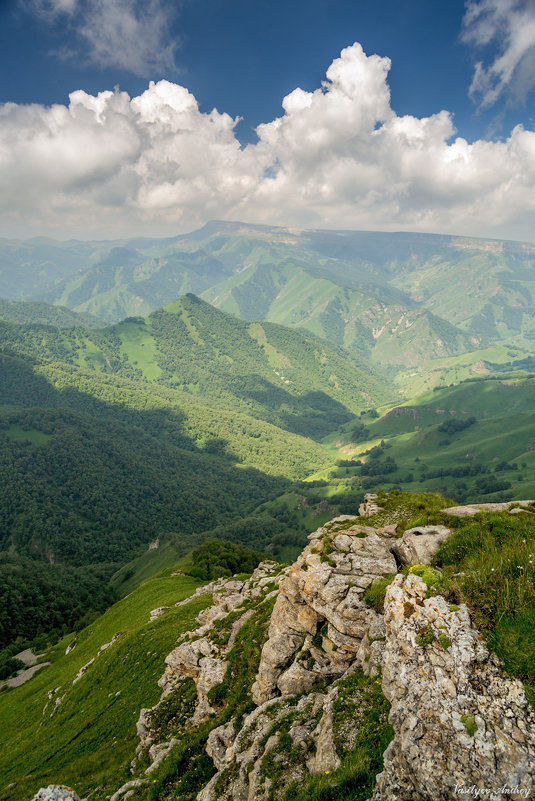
[313, 414]
[111, 479]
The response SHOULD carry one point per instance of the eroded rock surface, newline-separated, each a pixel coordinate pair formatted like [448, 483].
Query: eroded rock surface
[419, 545]
[459, 721]
[320, 619]
[201, 654]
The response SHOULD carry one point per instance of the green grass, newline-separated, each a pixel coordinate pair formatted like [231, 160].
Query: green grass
[33, 435]
[139, 346]
[496, 554]
[407, 509]
[89, 741]
[461, 464]
[134, 573]
[456, 369]
[375, 594]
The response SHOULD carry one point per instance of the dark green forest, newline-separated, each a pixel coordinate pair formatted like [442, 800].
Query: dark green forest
[84, 482]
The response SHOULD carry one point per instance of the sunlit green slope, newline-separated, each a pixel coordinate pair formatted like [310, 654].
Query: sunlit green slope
[474, 440]
[286, 377]
[60, 731]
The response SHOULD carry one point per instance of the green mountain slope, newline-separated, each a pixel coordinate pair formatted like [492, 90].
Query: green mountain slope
[94, 467]
[451, 294]
[288, 378]
[90, 736]
[474, 440]
[170, 426]
[28, 312]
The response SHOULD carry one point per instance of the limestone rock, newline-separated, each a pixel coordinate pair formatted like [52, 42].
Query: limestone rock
[126, 790]
[56, 792]
[157, 754]
[325, 757]
[296, 679]
[200, 655]
[459, 721]
[323, 593]
[474, 508]
[419, 545]
[156, 613]
[369, 507]
[218, 745]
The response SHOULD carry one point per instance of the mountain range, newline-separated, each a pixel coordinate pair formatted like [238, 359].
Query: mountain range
[399, 299]
[244, 382]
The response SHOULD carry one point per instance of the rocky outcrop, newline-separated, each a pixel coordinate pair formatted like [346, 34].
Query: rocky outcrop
[285, 740]
[201, 654]
[459, 721]
[56, 792]
[320, 620]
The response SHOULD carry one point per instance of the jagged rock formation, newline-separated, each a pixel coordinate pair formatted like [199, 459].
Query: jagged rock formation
[197, 665]
[459, 721]
[322, 657]
[323, 593]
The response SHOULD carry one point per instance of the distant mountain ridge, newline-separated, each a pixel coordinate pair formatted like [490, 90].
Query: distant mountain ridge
[398, 298]
[36, 312]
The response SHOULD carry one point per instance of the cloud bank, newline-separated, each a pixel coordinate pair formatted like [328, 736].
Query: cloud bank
[338, 157]
[510, 24]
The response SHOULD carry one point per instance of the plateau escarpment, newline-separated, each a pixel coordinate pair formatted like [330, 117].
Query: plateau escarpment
[299, 683]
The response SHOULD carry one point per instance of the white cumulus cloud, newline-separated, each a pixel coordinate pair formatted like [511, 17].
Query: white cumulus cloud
[510, 26]
[338, 157]
[132, 35]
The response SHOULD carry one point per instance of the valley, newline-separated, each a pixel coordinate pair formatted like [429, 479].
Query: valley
[240, 384]
[330, 359]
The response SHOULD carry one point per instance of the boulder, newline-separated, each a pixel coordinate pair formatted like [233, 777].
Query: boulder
[419, 545]
[56, 792]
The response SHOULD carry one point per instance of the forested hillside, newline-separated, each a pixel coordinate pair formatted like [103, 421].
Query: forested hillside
[288, 378]
[94, 467]
[171, 427]
[28, 312]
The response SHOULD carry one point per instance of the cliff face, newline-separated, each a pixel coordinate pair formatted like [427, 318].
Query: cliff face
[459, 721]
[292, 675]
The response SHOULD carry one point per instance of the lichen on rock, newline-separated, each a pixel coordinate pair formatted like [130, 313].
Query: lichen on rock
[291, 674]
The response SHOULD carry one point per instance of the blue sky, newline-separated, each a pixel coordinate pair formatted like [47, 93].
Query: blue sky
[243, 57]
[475, 61]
